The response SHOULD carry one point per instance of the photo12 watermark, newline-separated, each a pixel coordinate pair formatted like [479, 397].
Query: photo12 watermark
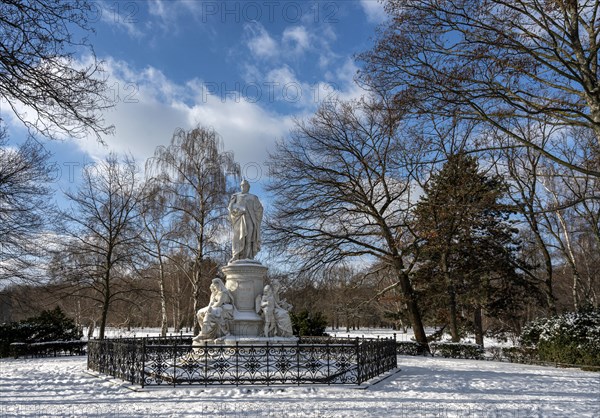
[268, 92]
[118, 12]
[122, 92]
[270, 11]
[126, 13]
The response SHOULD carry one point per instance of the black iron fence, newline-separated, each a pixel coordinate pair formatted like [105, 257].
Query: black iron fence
[174, 361]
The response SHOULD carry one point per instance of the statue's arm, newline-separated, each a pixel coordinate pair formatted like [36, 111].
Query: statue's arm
[220, 299]
[230, 205]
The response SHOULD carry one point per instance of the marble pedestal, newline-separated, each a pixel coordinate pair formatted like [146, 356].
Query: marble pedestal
[245, 280]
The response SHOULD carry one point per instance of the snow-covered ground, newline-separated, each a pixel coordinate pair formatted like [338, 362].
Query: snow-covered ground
[429, 387]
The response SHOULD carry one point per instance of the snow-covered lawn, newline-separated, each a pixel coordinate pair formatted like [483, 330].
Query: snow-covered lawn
[431, 387]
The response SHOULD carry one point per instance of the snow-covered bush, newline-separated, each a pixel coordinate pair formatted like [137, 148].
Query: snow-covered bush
[457, 350]
[570, 338]
[519, 354]
[410, 348]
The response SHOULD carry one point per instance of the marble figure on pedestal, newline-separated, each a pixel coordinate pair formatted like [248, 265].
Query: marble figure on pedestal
[214, 319]
[282, 315]
[275, 312]
[267, 306]
[245, 213]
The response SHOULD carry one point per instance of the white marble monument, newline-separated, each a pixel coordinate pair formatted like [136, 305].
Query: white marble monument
[244, 309]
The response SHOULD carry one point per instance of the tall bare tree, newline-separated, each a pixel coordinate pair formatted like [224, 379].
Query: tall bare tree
[523, 168]
[574, 228]
[193, 172]
[101, 233]
[24, 207]
[40, 78]
[496, 61]
[157, 233]
[342, 187]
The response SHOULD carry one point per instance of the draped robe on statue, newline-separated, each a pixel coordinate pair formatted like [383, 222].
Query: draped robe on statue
[245, 212]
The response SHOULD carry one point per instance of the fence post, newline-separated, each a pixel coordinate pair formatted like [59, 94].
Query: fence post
[205, 363]
[174, 362]
[267, 354]
[143, 369]
[88, 356]
[395, 352]
[237, 362]
[298, 359]
[328, 351]
[358, 365]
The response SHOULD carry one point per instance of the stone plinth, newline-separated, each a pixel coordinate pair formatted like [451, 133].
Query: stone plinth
[258, 341]
[245, 281]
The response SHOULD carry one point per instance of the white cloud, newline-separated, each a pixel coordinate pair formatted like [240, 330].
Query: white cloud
[282, 75]
[260, 43]
[247, 129]
[151, 107]
[122, 17]
[157, 8]
[345, 75]
[374, 11]
[168, 12]
[296, 38]
[294, 42]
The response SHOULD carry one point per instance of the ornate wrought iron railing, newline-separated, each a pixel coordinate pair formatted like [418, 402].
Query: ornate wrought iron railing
[174, 361]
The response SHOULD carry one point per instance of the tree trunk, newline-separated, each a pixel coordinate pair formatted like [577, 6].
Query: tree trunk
[412, 307]
[453, 320]
[105, 307]
[163, 298]
[196, 292]
[452, 311]
[548, 291]
[570, 256]
[176, 288]
[478, 325]
[575, 290]
[91, 329]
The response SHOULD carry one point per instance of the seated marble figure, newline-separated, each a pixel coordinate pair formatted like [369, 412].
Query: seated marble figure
[215, 317]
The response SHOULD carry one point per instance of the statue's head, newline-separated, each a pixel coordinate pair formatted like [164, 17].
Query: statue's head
[218, 283]
[245, 186]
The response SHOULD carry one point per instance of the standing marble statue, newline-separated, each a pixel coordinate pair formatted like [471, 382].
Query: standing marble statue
[267, 306]
[277, 321]
[245, 213]
[281, 312]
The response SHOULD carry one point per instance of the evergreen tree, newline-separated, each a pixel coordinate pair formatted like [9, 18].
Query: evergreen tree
[468, 250]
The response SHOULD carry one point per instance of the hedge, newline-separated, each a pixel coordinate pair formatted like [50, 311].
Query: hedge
[457, 350]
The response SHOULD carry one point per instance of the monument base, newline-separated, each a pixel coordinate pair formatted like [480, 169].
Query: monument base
[245, 280]
[246, 324]
[258, 341]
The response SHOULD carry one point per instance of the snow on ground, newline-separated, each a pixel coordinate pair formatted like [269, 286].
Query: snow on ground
[425, 386]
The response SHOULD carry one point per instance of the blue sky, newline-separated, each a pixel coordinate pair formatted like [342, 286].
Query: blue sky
[247, 69]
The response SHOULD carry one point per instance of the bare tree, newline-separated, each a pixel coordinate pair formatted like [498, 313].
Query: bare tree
[24, 207]
[496, 61]
[523, 168]
[562, 229]
[192, 172]
[102, 233]
[40, 78]
[574, 228]
[157, 231]
[342, 187]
